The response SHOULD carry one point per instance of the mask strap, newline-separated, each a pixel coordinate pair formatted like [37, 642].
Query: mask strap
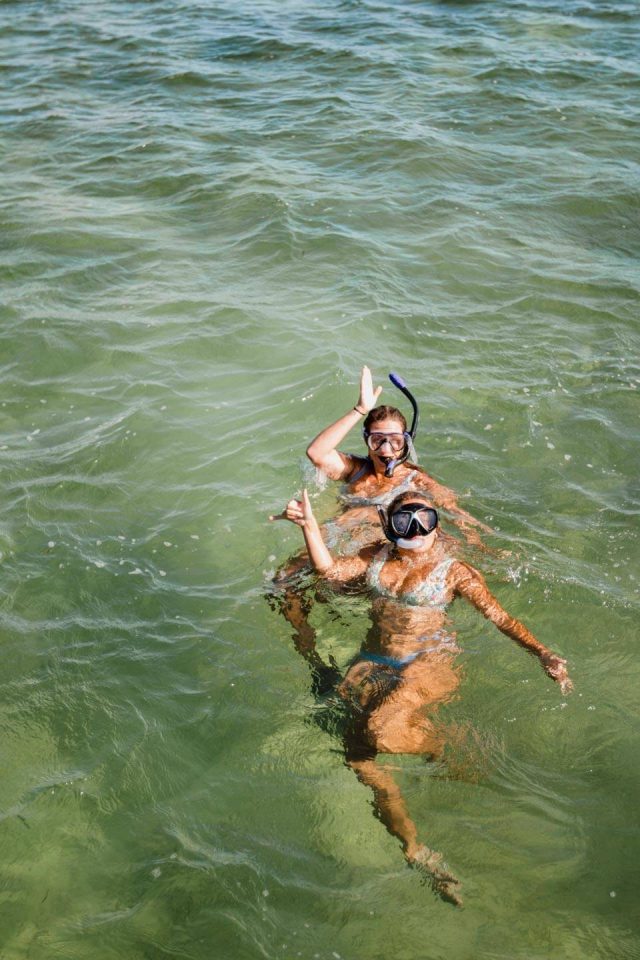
[384, 520]
[411, 450]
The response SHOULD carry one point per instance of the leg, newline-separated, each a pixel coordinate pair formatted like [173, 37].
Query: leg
[391, 810]
[391, 719]
[398, 724]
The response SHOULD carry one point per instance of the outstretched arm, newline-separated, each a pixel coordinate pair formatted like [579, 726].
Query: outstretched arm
[322, 450]
[471, 584]
[445, 498]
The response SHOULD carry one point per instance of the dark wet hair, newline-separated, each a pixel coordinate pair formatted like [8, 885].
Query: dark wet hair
[384, 412]
[408, 496]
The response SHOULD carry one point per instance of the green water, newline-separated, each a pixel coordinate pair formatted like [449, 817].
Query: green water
[211, 216]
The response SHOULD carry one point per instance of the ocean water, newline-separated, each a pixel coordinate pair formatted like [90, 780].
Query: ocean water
[211, 215]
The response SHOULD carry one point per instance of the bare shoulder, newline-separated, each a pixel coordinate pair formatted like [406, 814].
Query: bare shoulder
[337, 465]
[464, 576]
[352, 466]
[441, 494]
[421, 478]
[367, 554]
[345, 569]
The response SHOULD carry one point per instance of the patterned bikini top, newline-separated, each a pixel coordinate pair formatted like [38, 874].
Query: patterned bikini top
[432, 592]
[383, 499]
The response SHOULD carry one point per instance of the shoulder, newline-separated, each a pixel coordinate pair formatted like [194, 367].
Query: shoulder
[355, 467]
[350, 568]
[464, 577]
[420, 476]
[374, 552]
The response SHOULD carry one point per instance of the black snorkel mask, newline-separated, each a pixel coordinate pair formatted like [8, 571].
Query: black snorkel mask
[408, 521]
[413, 429]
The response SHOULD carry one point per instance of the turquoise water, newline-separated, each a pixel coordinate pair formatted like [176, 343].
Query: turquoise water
[212, 215]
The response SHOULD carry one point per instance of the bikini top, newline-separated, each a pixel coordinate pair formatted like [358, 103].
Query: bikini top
[383, 499]
[432, 592]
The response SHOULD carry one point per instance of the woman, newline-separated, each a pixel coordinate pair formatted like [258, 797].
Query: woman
[407, 663]
[366, 479]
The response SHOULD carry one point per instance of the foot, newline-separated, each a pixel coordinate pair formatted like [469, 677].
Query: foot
[435, 873]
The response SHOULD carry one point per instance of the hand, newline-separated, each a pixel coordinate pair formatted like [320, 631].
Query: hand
[368, 396]
[556, 668]
[297, 511]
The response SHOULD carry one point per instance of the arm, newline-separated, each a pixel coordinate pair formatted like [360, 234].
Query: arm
[471, 584]
[342, 569]
[445, 497]
[322, 450]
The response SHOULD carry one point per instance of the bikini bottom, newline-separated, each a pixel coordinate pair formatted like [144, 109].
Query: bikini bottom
[378, 684]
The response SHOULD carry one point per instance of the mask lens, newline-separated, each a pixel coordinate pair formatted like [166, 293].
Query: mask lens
[401, 521]
[408, 522]
[376, 440]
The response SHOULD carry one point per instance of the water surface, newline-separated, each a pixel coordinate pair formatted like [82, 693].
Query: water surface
[212, 215]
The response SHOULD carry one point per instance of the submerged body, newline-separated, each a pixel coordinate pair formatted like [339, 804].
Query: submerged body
[412, 593]
[407, 665]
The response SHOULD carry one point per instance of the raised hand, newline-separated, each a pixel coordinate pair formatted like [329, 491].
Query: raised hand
[297, 511]
[368, 396]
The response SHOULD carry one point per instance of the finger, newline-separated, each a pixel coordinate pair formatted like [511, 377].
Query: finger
[306, 503]
[278, 516]
[377, 393]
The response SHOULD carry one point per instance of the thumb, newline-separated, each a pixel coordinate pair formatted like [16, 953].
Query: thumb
[377, 392]
[306, 504]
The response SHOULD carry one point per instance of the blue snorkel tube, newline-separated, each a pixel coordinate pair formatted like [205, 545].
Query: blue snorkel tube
[401, 385]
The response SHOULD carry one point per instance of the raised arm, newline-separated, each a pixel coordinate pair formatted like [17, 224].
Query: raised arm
[471, 584]
[339, 569]
[322, 450]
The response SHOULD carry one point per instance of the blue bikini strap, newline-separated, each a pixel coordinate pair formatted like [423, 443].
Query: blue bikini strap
[360, 472]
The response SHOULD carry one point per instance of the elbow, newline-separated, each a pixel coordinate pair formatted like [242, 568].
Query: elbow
[314, 454]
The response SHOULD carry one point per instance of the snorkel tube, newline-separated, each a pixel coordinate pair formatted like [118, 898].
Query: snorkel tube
[401, 385]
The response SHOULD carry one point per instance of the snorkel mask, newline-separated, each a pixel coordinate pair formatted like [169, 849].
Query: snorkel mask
[409, 435]
[408, 522]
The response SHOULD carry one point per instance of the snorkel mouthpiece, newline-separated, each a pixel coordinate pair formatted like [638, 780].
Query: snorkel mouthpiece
[398, 382]
[408, 544]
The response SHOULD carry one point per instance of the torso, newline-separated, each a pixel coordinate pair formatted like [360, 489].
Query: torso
[410, 587]
[411, 599]
[366, 489]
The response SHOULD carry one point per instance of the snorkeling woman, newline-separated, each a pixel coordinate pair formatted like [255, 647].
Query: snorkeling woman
[374, 480]
[406, 666]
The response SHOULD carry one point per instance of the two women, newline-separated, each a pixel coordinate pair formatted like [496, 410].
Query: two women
[401, 557]
[368, 481]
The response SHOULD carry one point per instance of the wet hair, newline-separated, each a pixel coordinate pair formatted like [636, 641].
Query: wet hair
[384, 412]
[408, 496]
